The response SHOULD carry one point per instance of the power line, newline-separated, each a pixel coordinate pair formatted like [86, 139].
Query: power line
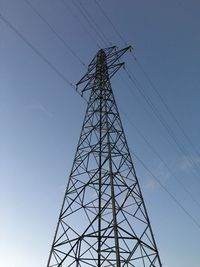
[111, 23]
[37, 52]
[94, 22]
[169, 170]
[89, 22]
[156, 153]
[68, 8]
[166, 105]
[54, 32]
[167, 191]
[160, 158]
[190, 216]
[180, 146]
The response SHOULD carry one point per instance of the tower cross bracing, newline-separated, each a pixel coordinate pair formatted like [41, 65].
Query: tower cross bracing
[103, 220]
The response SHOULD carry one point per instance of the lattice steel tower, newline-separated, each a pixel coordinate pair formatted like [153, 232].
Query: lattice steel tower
[103, 219]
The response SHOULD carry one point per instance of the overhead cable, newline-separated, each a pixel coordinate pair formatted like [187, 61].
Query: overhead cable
[180, 146]
[94, 23]
[69, 9]
[111, 23]
[89, 22]
[37, 52]
[161, 159]
[166, 190]
[166, 105]
[55, 32]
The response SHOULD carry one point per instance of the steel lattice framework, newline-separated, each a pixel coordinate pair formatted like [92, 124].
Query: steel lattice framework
[103, 219]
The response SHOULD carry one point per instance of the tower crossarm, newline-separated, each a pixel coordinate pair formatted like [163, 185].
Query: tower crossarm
[112, 56]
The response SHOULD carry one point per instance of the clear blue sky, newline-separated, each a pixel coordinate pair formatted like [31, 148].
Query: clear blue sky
[41, 117]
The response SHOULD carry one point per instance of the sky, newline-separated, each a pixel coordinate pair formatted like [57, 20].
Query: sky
[41, 115]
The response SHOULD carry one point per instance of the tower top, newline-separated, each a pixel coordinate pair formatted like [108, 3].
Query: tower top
[111, 57]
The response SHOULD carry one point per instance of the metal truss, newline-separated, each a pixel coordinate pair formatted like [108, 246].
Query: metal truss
[103, 220]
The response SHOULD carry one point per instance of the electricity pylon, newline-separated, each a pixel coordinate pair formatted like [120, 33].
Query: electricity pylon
[103, 220]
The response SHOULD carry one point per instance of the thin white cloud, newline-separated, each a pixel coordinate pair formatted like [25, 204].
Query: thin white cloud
[187, 164]
[40, 107]
[162, 174]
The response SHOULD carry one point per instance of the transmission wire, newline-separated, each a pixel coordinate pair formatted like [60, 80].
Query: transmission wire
[160, 158]
[190, 216]
[111, 23]
[37, 52]
[54, 32]
[89, 22]
[67, 7]
[94, 22]
[181, 147]
[166, 190]
[165, 105]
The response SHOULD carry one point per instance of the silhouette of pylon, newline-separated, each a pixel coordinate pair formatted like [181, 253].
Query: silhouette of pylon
[103, 219]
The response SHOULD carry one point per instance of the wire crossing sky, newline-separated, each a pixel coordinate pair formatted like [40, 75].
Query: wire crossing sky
[45, 48]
